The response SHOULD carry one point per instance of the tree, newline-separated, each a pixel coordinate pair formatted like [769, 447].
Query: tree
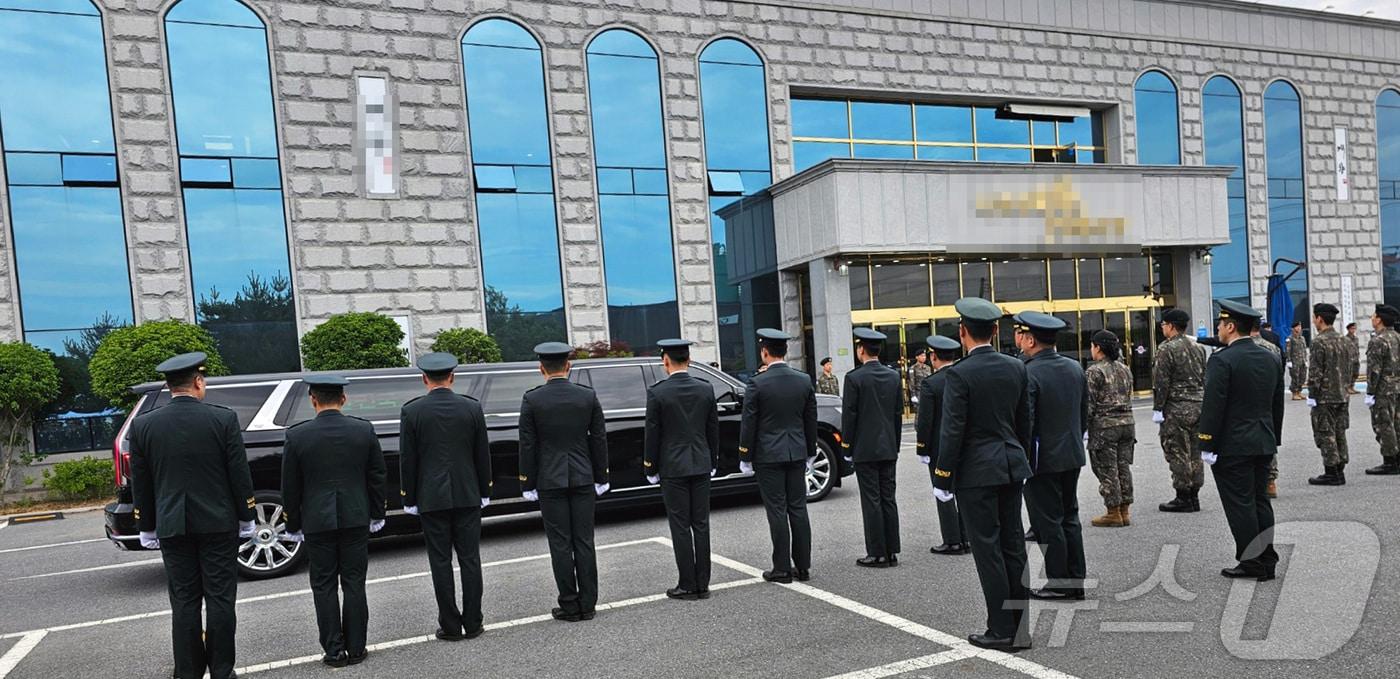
[352, 341]
[76, 393]
[28, 382]
[603, 349]
[516, 331]
[256, 330]
[128, 356]
[469, 345]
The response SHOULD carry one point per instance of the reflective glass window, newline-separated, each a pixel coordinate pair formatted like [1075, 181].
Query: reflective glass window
[1283, 162]
[221, 85]
[1223, 115]
[1020, 280]
[820, 118]
[977, 280]
[508, 126]
[619, 388]
[944, 123]
[994, 130]
[1090, 277]
[808, 153]
[1158, 134]
[1388, 142]
[945, 283]
[1062, 279]
[1125, 276]
[65, 208]
[859, 277]
[624, 94]
[902, 284]
[882, 151]
[881, 120]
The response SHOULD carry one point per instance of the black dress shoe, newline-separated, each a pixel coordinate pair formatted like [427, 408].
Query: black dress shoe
[873, 562]
[1049, 594]
[565, 616]
[803, 575]
[340, 659]
[702, 593]
[1073, 593]
[587, 615]
[994, 642]
[1247, 572]
[472, 634]
[449, 636]
[777, 576]
[680, 593]
[894, 560]
[948, 549]
[357, 658]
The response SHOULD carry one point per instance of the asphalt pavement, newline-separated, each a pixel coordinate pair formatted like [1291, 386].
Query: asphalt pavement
[75, 607]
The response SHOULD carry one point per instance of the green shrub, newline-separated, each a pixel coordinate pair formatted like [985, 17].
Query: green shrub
[469, 345]
[603, 349]
[29, 381]
[129, 356]
[352, 341]
[79, 479]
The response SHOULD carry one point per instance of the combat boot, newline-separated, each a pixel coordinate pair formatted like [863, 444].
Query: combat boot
[1111, 519]
[1180, 504]
[1341, 474]
[1123, 513]
[1328, 477]
[1390, 467]
[1195, 499]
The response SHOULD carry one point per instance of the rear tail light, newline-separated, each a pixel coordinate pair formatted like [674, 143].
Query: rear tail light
[121, 448]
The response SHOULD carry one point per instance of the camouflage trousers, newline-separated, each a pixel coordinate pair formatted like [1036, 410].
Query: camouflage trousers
[1297, 378]
[1181, 447]
[1111, 458]
[1385, 421]
[1329, 425]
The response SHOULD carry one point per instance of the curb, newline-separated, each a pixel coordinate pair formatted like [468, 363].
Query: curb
[5, 518]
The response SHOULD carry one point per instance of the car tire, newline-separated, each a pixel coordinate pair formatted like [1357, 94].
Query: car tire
[825, 470]
[268, 554]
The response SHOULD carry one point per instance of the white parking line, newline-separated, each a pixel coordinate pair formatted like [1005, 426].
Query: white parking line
[911, 665]
[18, 651]
[91, 569]
[1006, 660]
[55, 544]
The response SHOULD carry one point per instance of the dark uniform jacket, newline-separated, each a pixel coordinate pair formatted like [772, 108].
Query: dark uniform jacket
[189, 471]
[779, 423]
[444, 454]
[332, 474]
[986, 423]
[682, 430]
[1059, 406]
[926, 425]
[870, 413]
[563, 438]
[1243, 409]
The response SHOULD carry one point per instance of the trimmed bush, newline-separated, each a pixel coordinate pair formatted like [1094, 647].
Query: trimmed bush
[469, 345]
[353, 341]
[28, 382]
[603, 349]
[80, 479]
[129, 356]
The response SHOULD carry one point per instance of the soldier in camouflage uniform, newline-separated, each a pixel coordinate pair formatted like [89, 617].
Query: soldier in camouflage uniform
[1272, 348]
[1296, 350]
[1329, 361]
[1355, 359]
[918, 372]
[1178, 384]
[1383, 387]
[826, 381]
[1111, 430]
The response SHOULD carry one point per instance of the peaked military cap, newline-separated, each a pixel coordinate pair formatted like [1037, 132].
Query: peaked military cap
[941, 343]
[1176, 317]
[674, 343]
[553, 351]
[437, 362]
[175, 365]
[1036, 321]
[773, 335]
[1234, 310]
[1325, 308]
[869, 335]
[325, 381]
[977, 310]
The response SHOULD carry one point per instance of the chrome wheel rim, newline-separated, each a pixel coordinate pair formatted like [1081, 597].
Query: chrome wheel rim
[820, 473]
[268, 549]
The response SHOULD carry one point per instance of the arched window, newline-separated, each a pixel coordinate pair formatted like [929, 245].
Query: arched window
[61, 174]
[512, 171]
[634, 205]
[1158, 133]
[1222, 111]
[1283, 160]
[733, 97]
[1388, 143]
[231, 181]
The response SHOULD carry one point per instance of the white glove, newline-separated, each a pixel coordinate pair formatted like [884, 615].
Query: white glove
[531, 495]
[601, 488]
[849, 459]
[1370, 400]
[811, 461]
[411, 509]
[246, 529]
[1158, 417]
[1289, 365]
[149, 539]
[298, 537]
[375, 525]
[485, 502]
[1210, 458]
[713, 472]
[1312, 403]
[1086, 439]
[745, 467]
[653, 480]
[925, 459]
[943, 495]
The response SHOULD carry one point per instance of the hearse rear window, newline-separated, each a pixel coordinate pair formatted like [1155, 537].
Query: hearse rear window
[245, 400]
[505, 390]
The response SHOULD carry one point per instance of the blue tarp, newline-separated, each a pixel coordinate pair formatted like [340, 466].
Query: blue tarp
[1280, 304]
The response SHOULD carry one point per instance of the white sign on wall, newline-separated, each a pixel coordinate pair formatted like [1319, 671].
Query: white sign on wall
[1343, 167]
[1348, 308]
[378, 159]
[406, 324]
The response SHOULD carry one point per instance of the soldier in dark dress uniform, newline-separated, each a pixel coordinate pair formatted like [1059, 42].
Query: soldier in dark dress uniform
[871, 410]
[1241, 429]
[445, 473]
[564, 466]
[986, 430]
[333, 498]
[945, 352]
[777, 442]
[1059, 414]
[194, 501]
[681, 452]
